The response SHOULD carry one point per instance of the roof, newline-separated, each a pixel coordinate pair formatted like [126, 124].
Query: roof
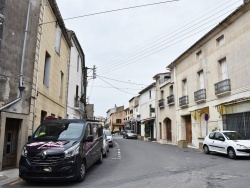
[147, 88]
[157, 75]
[222, 25]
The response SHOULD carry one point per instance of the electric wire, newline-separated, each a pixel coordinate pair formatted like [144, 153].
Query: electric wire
[177, 29]
[120, 65]
[166, 35]
[145, 51]
[114, 10]
[116, 87]
[121, 81]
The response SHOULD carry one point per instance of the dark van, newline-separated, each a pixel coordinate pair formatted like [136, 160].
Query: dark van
[61, 150]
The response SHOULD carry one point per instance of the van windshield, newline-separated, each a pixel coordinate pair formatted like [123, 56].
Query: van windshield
[59, 131]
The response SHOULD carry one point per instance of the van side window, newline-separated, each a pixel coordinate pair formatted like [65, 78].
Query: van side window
[89, 130]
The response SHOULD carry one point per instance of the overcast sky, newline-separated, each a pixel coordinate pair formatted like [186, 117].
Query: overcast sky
[130, 46]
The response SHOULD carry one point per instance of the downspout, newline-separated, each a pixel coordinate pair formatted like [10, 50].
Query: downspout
[38, 61]
[21, 87]
[69, 60]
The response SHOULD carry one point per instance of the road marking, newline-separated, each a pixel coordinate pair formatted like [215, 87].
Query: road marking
[15, 182]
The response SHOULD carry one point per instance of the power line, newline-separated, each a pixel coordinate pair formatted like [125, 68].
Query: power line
[178, 27]
[149, 49]
[115, 87]
[121, 81]
[112, 87]
[115, 10]
[118, 66]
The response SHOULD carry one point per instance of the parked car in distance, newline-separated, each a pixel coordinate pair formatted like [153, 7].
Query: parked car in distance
[105, 147]
[226, 142]
[129, 134]
[110, 137]
[61, 150]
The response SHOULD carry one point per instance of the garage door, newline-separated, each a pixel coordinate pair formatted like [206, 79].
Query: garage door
[239, 122]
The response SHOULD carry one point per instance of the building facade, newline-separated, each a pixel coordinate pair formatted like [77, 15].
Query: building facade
[147, 112]
[34, 70]
[76, 101]
[211, 85]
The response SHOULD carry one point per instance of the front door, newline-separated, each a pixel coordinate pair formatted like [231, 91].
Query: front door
[10, 143]
[169, 130]
[188, 129]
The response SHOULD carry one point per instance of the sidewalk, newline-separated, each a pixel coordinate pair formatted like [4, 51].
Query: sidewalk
[8, 176]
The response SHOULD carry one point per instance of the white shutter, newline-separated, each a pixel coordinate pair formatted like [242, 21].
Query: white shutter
[58, 39]
[202, 86]
[224, 69]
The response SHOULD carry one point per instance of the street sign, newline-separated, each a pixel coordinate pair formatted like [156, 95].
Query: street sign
[206, 116]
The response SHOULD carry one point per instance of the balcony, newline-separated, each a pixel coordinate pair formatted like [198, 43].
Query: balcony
[170, 99]
[223, 87]
[78, 105]
[183, 101]
[161, 103]
[200, 95]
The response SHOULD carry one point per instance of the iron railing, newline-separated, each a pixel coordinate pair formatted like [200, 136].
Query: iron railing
[200, 95]
[222, 87]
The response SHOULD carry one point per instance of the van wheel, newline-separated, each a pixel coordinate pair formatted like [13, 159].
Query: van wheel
[99, 161]
[81, 172]
[231, 153]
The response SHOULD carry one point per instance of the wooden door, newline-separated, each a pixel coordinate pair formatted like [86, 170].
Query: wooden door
[188, 129]
[169, 130]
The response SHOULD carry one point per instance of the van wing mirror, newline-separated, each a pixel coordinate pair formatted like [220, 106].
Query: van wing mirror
[29, 137]
[89, 138]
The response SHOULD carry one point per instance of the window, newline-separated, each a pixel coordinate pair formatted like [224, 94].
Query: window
[43, 115]
[199, 55]
[223, 65]
[220, 40]
[46, 70]
[201, 79]
[77, 87]
[61, 86]
[150, 94]
[162, 94]
[150, 112]
[171, 90]
[58, 39]
[78, 60]
[184, 87]
[118, 121]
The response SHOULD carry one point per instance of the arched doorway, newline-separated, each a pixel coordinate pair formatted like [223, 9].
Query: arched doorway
[168, 123]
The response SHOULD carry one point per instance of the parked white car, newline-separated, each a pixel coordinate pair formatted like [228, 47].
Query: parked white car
[226, 142]
[105, 147]
[110, 137]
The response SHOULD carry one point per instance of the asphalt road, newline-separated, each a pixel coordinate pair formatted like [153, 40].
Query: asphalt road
[135, 163]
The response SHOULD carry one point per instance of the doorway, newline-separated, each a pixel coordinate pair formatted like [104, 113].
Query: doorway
[169, 130]
[188, 129]
[11, 135]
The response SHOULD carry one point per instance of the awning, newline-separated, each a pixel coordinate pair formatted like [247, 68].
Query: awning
[221, 108]
[197, 113]
[147, 120]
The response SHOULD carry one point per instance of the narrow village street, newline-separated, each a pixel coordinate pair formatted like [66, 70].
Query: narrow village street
[135, 163]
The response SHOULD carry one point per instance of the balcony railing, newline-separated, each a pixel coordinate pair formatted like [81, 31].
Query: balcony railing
[78, 105]
[200, 95]
[161, 103]
[222, 87]
[170, 99]
[183, 101]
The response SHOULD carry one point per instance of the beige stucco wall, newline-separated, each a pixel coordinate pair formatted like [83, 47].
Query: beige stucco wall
[48, 98]
[236, 51]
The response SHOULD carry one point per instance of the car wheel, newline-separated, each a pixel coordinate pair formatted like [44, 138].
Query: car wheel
[206, 149]
[81, 172]
[99, 161]
[231, 153]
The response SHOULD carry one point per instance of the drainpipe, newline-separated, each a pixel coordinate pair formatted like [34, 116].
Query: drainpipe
[35, 97]
[21, 87]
